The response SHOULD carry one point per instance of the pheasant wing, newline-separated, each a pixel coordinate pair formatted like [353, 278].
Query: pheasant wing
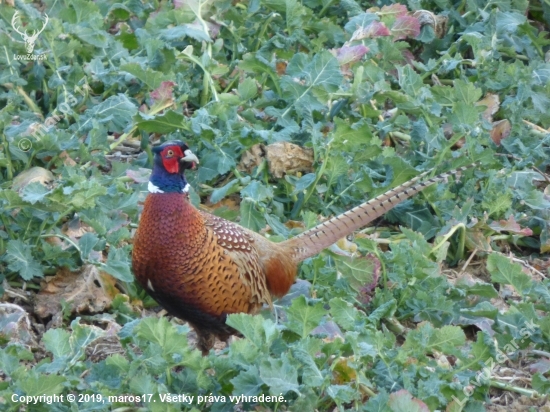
[240, 247]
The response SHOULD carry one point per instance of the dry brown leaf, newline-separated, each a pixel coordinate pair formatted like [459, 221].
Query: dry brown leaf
[438, 22]
[282, 158]
[346, 245]
[252, 158]
[34, 174]
[75, 229]
[501, 130]
[280, 67]
[342, 373]
[230, 202]
[476, 239]
[67, 160]
[492, 101]
[292, 224]
[88, 291]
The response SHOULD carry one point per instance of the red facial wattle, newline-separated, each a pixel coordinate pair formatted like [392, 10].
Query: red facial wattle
[171, 156]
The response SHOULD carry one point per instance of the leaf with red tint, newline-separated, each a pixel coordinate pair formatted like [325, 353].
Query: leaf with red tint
[377, 29]
[350, 54]
[396, 10]
[392, 11]
[361, 272]
[163, 93]
[374, 29]
[408, 56]
[510, 226]
[542, 366]
[405, 26]
[403, 401]
[366, 292]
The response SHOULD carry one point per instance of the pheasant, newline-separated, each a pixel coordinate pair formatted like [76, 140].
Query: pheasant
[201, 267]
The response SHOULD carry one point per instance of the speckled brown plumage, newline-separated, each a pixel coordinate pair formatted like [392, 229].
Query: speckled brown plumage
[201, 267]
[198, 266]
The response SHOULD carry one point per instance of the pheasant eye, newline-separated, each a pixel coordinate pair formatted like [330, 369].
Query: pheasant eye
[170, 153]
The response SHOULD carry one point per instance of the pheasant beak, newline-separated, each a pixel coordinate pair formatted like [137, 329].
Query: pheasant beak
[190, 157]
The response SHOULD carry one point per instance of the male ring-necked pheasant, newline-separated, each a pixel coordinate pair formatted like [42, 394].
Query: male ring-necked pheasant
[201, 268]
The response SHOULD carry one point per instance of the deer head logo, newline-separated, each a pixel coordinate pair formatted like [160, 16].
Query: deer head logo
[29, 40]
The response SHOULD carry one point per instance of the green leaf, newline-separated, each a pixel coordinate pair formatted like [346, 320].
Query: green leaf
[260, 332]
[257, 191]
[143, 384]
[482, 351]
[39, 384]
[350, 136]
[385, 310]
[167, 122]
[498, 203]
[410, 81]
[82, 336]
[311, 374]
[276, 225]
[345, 314]
[19, 259]
[504, 271]
[247, 382]
[540, 383]
[280, 375]
[304, 182]
[466, 92]
[248, 89]
[151, 78]
[485, 290]
[341, 393]
[257, 65]
[464, 114]
[304, 317]
[447, 338]
[86, 244]
[97, 38]
[360, 272]
[208, 167]
[250, 217]
[320, 76]
[185, 30]
[34, 192]
[219, 193]
[336, 168]
[113, 111]
[57, 342]
[482, 309]
[86, 198]
[163, 333]
[508, 22]
[118, 265]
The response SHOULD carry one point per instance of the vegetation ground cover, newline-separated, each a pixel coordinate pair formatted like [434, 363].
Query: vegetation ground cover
[441, 305]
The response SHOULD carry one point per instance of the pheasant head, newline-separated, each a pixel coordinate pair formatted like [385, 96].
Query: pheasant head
[171, 159]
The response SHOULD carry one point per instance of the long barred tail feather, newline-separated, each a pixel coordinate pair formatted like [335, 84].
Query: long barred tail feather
[314, 240]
